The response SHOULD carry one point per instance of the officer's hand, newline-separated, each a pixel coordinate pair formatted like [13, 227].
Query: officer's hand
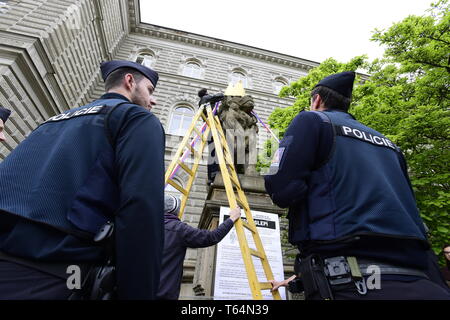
[235, 214]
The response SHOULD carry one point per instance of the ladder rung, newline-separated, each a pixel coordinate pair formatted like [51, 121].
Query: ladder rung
[265, 285]
[177, 186]
[199, 133]
[194, 152]
[256, 254]
[226, 153]
[246, 225]
[235, 182]
[185, 168]
[224, 139]
[231, 166]
[241, 204]
[229, 161]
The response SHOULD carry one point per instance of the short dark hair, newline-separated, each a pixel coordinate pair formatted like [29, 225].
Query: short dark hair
[115, 78]
[331, 98]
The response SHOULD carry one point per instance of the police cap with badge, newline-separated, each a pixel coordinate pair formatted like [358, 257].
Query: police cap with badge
[109, 66]
[340, 82]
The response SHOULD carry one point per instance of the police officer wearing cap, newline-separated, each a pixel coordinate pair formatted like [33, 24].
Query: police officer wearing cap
[352, 211]
[98, 165]
[4, 115]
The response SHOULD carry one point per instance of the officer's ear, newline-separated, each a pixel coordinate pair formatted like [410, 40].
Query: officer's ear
[129, 81]
[314, 99]
[316, 102]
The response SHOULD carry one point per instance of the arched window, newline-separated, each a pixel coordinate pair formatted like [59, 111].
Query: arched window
[146, 59]
[192, 69]
[278, 84]
[180, 120]
[239, 75]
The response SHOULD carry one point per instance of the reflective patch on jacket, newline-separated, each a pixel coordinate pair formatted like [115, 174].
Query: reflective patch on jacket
[365, 136]
[275, 165]
[277, 161]
[77, 113]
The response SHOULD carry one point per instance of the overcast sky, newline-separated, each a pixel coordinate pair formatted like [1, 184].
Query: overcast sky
[313, 30]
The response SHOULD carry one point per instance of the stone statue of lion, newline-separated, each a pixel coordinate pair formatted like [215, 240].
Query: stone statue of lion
[240, 128]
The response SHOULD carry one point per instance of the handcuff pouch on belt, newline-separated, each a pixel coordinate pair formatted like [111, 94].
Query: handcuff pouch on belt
[100, 282]
[315, 275]
[311, 277]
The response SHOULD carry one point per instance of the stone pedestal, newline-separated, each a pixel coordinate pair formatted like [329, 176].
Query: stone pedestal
[258, 200]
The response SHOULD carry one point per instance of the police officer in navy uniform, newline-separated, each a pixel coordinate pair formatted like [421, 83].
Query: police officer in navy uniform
[352, 210]
[78, 171]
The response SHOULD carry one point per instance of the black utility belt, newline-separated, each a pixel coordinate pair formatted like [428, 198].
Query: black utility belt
[97, 282]
[59, 270]
[317, 275]
[342, 269]
[368, 268]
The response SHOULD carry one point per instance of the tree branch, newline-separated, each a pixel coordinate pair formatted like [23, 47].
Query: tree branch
[437, 39]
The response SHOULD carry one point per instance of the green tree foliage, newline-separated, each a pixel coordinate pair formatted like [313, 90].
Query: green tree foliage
[406, 98]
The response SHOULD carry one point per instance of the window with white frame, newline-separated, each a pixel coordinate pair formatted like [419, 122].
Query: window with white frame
[278, 84]
[146, 59]
[237, 76]
[180, 120]
[192, 69]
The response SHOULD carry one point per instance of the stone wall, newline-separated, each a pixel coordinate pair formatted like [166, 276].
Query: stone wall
[49, 57]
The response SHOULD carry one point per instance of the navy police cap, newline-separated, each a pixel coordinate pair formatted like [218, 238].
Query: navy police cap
[109, 66]
[4, 114]
[339, 82]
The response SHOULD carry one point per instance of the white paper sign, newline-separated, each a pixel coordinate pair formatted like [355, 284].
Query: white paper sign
[231, 278]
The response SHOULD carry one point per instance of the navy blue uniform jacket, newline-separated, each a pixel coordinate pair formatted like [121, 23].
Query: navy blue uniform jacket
[178, 237]
[311, 145]
[138, 171]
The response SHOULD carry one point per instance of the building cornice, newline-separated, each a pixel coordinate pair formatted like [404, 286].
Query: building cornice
[187, 38]
[223, 46]
[213, 85]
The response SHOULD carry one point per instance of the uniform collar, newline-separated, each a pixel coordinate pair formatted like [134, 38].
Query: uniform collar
[113, 95]
[341, 111]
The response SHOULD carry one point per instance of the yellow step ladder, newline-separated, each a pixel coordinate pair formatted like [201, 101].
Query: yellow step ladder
[187, 147]
[235, 194]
